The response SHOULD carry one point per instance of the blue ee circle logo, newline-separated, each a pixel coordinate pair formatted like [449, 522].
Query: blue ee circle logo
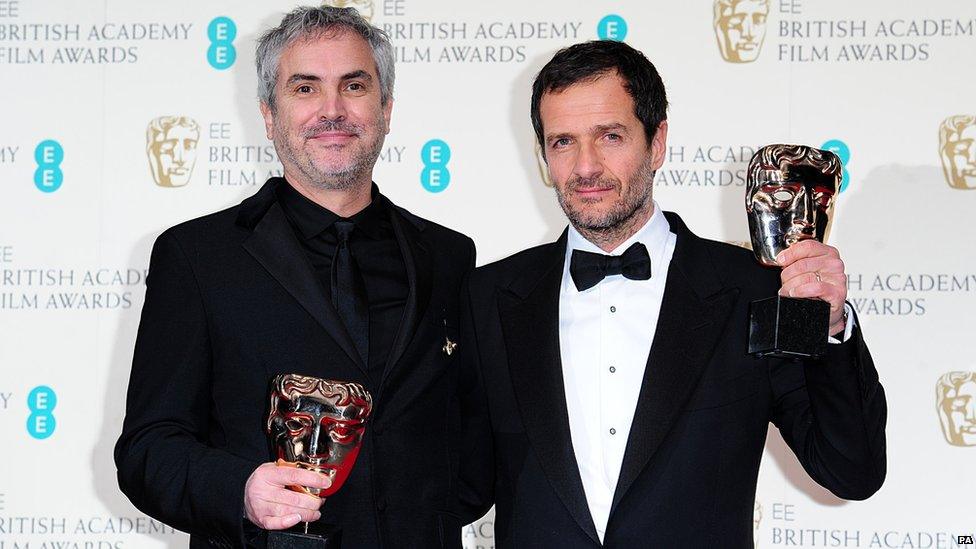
[435, 155]
[41, 402]
[843, 152]
[612, 27]
[221, 54]
[48, 176]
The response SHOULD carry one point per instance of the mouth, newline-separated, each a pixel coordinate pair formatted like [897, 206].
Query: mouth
[319, 465]
[796, 236]
[597, 191]
[332, 137]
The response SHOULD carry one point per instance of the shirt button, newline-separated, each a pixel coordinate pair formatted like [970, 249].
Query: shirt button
[613, 369]
[613, 431]
[613, 309]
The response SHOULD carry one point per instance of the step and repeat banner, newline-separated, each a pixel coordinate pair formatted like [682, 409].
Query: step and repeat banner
[121, 118]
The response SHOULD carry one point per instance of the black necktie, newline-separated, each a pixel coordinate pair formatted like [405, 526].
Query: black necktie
[588, 269]
[349, 291]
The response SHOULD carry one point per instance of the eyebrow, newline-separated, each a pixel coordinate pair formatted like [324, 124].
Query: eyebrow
[607, 127]
[301, 78]
[357, 74]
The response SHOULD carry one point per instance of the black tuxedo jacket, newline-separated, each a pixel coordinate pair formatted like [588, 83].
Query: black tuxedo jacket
[231, 301]
[690, 467]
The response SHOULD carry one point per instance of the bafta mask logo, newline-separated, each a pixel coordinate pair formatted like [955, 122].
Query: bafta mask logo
[740, 27]
[789, 197]
[364, 7]
[171, 147]
[957, 147]
[318, 424]
[956, 402]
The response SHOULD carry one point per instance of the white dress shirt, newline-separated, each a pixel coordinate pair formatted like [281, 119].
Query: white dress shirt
[605, 336]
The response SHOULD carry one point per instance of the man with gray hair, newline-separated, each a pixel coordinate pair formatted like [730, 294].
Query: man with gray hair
[317, 274]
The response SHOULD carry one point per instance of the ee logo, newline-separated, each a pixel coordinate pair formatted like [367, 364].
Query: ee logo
[435, 155]
[612, 27]
[48, 176]
[221, 54]
[843, 152]
[41, 402]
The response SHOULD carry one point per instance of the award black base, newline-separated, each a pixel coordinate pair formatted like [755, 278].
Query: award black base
[787, 327]
[319, 536]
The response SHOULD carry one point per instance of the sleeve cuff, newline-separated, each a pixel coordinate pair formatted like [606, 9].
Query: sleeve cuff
[848, 326]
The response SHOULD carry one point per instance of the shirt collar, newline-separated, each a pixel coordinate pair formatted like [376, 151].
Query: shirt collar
[311, 219]
[654, 236]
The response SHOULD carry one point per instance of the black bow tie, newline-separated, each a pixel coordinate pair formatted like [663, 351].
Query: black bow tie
[588, 269]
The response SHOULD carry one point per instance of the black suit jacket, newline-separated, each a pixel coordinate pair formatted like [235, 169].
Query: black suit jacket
[689, 472]
[231, 301]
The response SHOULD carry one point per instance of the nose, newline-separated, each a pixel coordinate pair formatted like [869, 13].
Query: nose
[588, 163]
[332, 107]
[804, 212]
[178, 153]
[748, 29]
[318, 444]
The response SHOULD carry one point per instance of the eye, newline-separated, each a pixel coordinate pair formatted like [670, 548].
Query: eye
[297, 424]
[735, 21]
[782, 195]
[343, 433]
[759, 18]
[304, 88]
[613, 137]
[559, 143]
[959, 403]
[822, 199]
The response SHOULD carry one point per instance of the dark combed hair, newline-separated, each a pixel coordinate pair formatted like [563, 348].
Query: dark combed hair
[591, 60]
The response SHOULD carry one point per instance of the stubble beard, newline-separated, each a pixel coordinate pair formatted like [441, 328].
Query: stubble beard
[356, 172]
[623, 219]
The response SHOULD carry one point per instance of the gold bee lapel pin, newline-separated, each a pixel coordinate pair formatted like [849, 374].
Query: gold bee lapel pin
[449, 346]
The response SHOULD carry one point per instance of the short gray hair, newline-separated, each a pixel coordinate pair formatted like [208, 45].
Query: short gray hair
[310, 22]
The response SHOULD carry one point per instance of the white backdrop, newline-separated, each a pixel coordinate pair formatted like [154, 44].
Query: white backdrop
[81, 205]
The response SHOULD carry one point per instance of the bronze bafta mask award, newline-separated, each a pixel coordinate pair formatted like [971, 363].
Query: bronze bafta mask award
[316, 424]
[789, 197]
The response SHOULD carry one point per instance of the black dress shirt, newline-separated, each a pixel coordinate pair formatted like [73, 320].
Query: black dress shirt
[373, 246]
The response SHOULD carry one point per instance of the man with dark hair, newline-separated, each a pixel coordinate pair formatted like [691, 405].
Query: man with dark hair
[319, 275]
[621, 407]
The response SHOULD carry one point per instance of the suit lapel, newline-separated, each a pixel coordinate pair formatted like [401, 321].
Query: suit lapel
[694, 313]
[417, 262]
[273, 244]
[529, 311]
